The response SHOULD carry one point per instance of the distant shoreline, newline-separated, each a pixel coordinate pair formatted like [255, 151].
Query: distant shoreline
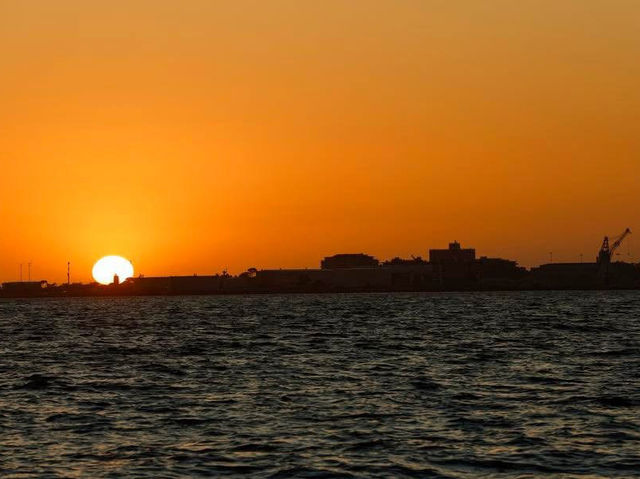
[126, 294]
[448, 270]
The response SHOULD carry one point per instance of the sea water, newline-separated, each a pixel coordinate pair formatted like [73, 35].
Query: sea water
[466, 385]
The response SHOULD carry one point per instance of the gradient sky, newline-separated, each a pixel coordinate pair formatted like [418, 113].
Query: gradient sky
[195, 135]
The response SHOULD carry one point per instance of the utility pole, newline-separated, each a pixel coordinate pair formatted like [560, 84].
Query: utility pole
[581, 255]
[551, 256]
[68, 273]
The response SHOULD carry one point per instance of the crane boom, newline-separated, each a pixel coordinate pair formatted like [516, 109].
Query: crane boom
[619, 241]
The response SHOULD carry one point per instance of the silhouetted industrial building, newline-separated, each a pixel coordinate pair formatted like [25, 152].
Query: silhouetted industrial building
[358, 260]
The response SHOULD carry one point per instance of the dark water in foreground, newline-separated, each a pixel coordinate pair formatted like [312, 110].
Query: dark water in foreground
[403, 385]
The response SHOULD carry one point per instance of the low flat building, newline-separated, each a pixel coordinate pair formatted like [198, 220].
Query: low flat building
[585, 276]
[175, 284]
[291, 279]
[24, 287]
[357, 260]
[566, 276]
[344, 279]
[498, 268]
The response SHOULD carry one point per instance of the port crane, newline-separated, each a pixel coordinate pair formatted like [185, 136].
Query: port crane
[606, 251]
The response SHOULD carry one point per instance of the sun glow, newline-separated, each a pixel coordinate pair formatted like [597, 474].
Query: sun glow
[108, 267]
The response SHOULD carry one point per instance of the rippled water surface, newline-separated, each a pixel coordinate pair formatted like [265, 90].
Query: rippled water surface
[403, 385]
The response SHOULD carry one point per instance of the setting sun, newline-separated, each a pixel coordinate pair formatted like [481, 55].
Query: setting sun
[105, 269]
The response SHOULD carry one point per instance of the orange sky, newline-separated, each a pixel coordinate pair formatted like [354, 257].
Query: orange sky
[196, 135]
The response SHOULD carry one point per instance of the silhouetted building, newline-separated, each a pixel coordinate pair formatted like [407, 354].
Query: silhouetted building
[293, 279]
[413, 274]
[454, 254]
[585, 276]
[340, 261]
[405, 262]
[184, 284]
[498, 268]
[344, 279]
[24, 287]
[566, 275]
[453, 267]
